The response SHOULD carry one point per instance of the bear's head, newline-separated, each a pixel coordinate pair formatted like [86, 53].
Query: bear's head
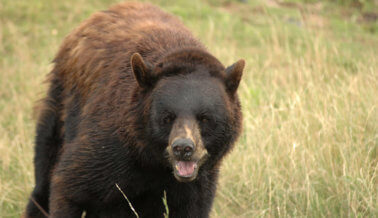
[194, 112]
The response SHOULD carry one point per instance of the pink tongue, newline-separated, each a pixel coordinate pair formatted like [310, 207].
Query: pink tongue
[185, 168]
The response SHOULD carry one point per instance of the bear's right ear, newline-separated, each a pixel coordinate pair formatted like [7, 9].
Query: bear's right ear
[233, 76]
[142, 71]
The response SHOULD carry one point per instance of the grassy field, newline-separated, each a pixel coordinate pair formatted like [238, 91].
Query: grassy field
[309, 96]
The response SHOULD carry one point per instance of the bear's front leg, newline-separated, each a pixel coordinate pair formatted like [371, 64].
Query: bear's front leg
[192, 200]
[60, 205]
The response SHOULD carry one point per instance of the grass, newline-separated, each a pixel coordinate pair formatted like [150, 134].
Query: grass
[130, 205]
[309, 96]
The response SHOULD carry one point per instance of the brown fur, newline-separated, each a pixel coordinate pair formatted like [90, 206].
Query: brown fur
[94, 97]
[81, 59]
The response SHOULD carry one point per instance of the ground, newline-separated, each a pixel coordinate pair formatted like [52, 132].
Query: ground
[309, 97]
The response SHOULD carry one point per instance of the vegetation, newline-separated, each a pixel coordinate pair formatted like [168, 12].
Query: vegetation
[309, 96]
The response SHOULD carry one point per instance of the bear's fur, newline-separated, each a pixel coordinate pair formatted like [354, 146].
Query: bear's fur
[127, 85]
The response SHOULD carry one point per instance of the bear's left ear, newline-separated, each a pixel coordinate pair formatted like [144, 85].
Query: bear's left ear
[233, 76]
[142, 71]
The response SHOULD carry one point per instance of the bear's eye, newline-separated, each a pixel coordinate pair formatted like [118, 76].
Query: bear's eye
[203, 118]
[168, 119]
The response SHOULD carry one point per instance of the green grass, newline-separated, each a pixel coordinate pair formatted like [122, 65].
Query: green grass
[309, 96]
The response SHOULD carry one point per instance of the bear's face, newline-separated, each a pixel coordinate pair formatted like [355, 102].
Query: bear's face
[190, 115]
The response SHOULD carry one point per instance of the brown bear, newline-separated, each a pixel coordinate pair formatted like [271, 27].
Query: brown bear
[134, 100]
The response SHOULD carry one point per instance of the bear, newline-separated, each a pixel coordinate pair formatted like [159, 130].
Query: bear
[135, 104]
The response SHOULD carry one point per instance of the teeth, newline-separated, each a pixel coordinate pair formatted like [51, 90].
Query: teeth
[177, 168]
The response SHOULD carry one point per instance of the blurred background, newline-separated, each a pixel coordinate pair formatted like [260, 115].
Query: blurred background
[309, 97]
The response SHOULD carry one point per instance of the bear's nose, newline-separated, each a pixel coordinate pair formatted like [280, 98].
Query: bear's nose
[183, 148]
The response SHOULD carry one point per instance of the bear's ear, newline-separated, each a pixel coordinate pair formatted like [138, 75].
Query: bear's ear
[233, 76]
[142, 71]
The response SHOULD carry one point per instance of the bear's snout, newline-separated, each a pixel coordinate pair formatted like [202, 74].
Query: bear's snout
[186, 151]
[183, 148]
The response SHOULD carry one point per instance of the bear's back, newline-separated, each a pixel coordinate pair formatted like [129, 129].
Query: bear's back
[102, 45]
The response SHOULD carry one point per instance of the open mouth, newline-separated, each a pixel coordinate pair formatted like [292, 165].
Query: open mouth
[185, 171]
